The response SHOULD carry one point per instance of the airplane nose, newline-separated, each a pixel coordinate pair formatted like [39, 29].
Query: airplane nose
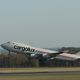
[2, 45]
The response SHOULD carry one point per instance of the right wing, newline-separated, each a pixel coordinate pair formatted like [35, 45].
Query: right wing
[67, 56]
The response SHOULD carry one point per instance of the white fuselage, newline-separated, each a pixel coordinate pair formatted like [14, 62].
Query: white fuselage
[22, 48]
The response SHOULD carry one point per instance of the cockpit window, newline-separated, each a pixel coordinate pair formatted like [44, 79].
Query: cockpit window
[8, 42]
[13, 43]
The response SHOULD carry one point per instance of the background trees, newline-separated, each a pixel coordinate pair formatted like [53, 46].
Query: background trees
[22, 60]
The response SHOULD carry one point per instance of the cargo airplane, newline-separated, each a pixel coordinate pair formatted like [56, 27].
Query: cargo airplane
[29, 50]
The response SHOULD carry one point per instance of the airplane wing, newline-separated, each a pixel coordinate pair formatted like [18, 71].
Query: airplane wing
[67, 56]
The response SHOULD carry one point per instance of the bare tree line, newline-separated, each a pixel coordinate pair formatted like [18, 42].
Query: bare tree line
[21, 60]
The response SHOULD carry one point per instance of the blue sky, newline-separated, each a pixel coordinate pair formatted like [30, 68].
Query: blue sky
[41, 23]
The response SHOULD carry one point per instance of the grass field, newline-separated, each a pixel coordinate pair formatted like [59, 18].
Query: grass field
[40, 77]
[49, 77]
[38, 69]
